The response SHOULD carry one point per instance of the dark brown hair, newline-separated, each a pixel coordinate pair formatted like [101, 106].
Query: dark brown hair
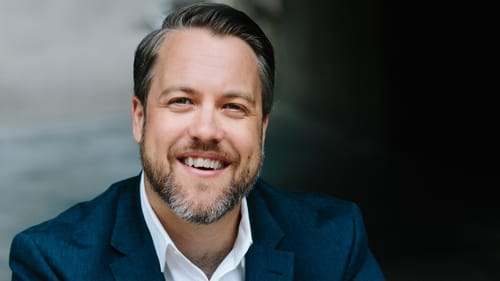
[220, 19]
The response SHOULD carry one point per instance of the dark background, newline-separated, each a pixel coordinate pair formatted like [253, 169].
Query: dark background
[397, 115]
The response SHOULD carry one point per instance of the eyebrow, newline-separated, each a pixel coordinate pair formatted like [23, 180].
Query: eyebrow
[183, 89]
[190, 91]
[242, 95]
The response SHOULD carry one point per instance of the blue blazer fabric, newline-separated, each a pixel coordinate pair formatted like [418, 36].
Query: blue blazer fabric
[297, 236]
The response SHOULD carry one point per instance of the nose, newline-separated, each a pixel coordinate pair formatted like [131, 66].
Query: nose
[205, 126]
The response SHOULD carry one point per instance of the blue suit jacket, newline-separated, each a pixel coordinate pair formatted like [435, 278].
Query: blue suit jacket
[296, 237]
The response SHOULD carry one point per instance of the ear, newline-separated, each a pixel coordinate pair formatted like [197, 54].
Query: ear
[137, 119]
[265, 122]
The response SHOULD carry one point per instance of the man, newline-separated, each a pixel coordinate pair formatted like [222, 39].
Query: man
[203, 94]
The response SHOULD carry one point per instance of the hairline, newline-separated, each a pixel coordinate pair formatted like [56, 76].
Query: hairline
[164, 32]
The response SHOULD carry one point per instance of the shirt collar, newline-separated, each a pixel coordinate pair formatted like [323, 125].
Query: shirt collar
[162, 240]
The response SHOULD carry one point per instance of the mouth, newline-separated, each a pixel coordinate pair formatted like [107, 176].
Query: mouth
[204, 164]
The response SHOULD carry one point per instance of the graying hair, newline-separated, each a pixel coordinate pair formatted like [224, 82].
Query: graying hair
[220, 19]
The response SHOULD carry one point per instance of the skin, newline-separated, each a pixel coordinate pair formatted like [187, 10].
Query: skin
[204, 101]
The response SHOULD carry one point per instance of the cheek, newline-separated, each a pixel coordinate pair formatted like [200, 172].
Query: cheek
[161, 132]
[247, 140]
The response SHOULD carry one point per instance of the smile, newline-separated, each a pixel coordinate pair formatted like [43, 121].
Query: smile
[203, 163]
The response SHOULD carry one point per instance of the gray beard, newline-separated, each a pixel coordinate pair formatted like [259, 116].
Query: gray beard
[171, 193]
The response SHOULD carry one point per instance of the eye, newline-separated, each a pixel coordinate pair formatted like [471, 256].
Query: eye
[180, 101]
[235, 110]
[180, 104]
[234, 107]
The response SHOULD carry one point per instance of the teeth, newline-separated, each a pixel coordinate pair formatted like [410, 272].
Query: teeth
[203, 163]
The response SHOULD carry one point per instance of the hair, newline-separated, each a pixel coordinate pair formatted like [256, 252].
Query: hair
[220, 19]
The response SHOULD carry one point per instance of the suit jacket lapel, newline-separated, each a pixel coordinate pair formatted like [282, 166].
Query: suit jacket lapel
[131, 238]
[138, 261]
[264, 261]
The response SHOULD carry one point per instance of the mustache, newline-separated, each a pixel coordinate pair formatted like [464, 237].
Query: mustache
[205, 146]
[195, 145]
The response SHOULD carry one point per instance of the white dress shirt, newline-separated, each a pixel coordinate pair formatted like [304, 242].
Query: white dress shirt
[175, 266]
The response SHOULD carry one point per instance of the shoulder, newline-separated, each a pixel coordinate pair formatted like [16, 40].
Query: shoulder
[80, 218]
[306, 218]
[326, 234]
[55, 249]
[306, 208]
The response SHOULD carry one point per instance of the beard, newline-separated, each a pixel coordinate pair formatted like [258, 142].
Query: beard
[170, 190]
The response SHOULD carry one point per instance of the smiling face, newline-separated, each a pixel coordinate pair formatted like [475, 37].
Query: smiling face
[202, 132]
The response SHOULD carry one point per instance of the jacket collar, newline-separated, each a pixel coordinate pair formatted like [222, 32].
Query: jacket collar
[137, 260]
[264, 261]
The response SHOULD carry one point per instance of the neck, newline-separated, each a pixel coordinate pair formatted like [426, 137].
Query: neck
[205, 245]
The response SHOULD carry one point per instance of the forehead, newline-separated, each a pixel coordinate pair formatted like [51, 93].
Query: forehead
[198, 57]
[197, 41]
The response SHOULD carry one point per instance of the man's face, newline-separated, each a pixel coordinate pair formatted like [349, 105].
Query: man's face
[202, 136]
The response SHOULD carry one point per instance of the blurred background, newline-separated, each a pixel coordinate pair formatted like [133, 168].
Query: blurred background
[378, 102]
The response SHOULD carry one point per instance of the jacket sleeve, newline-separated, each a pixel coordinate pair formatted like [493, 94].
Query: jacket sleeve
[27, 261]
[362, 264]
